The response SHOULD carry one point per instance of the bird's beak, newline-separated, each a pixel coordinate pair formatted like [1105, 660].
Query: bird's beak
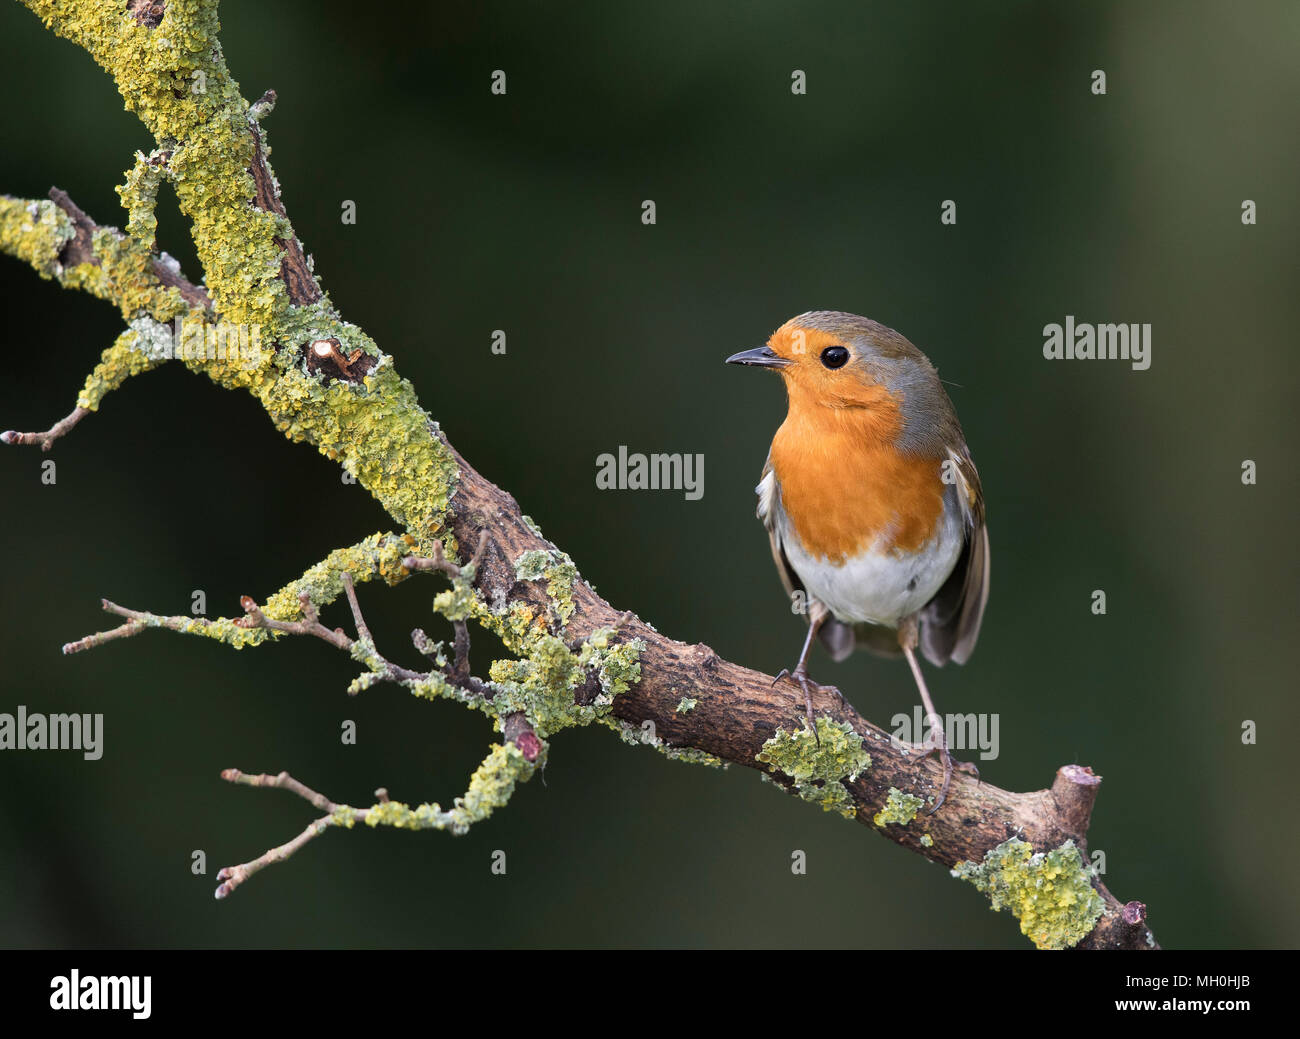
[759, 357]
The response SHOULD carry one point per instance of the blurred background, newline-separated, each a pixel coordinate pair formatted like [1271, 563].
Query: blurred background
[522, 213]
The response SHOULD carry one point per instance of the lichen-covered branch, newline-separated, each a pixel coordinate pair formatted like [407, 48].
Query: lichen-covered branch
[490, 788]
[260, 322]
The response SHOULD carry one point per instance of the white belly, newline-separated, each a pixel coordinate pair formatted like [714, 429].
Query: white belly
[881, 587]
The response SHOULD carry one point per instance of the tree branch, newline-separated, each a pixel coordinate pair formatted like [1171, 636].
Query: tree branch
[739, 712]
[573, 658]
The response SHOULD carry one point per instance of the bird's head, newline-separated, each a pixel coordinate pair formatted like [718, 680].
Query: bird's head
[829, 359]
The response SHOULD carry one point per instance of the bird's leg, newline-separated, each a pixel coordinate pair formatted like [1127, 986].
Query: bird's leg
[936, 740]
[817, 614]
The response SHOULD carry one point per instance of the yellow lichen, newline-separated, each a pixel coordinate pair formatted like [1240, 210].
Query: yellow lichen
[899, 808]
[1050, 893]
[817, 769]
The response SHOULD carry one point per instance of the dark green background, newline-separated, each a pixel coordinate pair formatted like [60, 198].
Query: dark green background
[522, 213]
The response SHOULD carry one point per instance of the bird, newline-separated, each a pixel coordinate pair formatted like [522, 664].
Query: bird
[872, 504]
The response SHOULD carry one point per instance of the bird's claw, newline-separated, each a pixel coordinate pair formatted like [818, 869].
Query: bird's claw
[937, 744]
[800, 676]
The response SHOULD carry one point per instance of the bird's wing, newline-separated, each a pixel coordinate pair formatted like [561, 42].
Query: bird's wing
[950, 622]
[768, 493]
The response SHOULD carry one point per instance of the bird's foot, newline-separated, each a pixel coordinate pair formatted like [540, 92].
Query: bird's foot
[800, 675]
[936, 743]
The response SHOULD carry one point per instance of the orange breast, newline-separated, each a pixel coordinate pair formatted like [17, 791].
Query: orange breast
[843, 484]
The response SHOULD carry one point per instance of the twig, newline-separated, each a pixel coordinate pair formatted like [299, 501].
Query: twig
[138, 621]
[336, 815]
[362, 629]
[477, 557]
[309, 625]
[282, 781]
[439, 560]
[459, 670]
[81, 249]
[46, 439]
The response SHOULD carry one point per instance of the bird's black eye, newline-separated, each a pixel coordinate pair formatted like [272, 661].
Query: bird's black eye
[835, 357]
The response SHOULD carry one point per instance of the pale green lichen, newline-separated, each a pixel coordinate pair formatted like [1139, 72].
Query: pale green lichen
[35, 232]
[222, 630]
[377, 557]
[1050, 893]
[692, 756]
[927, 841]
[437, 687]
[543, 682]
[542, 686]
[363, 651]
[175, 79]
[686, 704]
[380, 433]
[617, 665]
[363, 682]
[153, 339]
[117, 364]
[899, 808]
[558, 571]
[490, 788]
[817, 770]
[637, 736]
[459, 603]
[139, 197]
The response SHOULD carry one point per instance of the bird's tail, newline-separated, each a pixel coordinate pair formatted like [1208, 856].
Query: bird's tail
[841, 639]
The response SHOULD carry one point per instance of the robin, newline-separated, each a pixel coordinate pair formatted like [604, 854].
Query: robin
[872, 503]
